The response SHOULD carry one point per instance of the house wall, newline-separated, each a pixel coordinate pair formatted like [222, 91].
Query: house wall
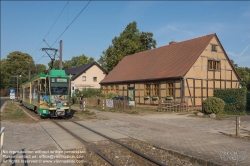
[93, 71]
[139, 90]
[200, 81]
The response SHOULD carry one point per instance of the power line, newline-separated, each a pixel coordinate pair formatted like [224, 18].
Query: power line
[51, 28]
[72, 21]
[69, 25]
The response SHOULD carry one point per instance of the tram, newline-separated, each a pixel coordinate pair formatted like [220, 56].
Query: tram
[47, 94]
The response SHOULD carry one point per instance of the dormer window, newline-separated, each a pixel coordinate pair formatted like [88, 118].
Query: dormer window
[214, 47]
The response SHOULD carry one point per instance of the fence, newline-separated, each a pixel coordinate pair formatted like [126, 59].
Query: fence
[176, 105]
[108, 103]
[94, 101]
[1, 144]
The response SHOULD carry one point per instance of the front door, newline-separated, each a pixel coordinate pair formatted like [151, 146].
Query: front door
[131, 92]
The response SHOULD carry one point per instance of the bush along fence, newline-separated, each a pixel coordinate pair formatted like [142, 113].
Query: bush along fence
[173, 105]
[248, 101]
[235, 100]
[109, 103]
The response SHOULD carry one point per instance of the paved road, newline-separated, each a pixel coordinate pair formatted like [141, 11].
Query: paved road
[188, 139]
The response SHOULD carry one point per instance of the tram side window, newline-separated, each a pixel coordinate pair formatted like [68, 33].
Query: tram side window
[34, 89]
[47, 86]
[42, 83]
[27, 93]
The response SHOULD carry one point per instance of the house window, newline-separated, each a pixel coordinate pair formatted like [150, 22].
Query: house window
[112, 88]
[217, 65]
[147, 89]
[210, 64]
[214, 65]
[156, 90]
[214, 47]
[95, 79]
[170, 89]
[84, 78]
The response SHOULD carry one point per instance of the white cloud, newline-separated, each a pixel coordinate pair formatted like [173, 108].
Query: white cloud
[243, 61]
[173, 28]
[239, 55]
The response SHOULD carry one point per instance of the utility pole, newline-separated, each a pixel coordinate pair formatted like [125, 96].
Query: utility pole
[17, 86]
[60, 62]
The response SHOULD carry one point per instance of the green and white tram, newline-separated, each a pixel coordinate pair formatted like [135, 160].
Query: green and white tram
[48, 95]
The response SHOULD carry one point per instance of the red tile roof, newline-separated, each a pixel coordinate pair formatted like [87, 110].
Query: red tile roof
[168, 61]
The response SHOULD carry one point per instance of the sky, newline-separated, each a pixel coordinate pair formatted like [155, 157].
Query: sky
[24, 25]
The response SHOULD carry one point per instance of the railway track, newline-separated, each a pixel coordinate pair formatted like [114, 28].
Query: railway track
[148, 159]
[36, 116]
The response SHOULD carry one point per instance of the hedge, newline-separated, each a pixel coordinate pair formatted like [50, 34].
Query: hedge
[248, 101]
[235, 100]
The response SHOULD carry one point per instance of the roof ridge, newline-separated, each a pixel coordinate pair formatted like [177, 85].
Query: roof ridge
[170, 44]
[195, 38]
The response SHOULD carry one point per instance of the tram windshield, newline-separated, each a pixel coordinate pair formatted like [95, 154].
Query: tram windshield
[59, 86]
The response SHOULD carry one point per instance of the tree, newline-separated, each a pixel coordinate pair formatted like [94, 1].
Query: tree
[15, 64]
[74, 62]
[40, 68]
[130, 41]
[80, 60]
[55, 64]
[244, 73]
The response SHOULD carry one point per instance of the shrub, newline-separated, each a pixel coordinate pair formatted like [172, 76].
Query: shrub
[248, 101]
[88, 93]
[4, 92]
[74, 100]
[213, 105]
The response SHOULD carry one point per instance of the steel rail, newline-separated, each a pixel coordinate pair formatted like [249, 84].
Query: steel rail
[125, 146]
[84, 142]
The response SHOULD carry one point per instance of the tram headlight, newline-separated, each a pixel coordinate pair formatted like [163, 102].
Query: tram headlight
[65, 104]
[53, 104]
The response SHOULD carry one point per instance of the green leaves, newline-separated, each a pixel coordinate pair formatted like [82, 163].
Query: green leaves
[213, 105]
[239, 96]
[74, 62]
[130, 41]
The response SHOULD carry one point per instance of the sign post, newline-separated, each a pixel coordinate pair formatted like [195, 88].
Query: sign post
[12, 94]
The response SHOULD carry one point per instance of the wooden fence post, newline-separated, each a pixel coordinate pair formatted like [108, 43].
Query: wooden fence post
[237, 126]
[84, 105]
[103, 104]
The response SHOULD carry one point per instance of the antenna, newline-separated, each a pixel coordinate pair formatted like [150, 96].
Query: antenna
[52, 57]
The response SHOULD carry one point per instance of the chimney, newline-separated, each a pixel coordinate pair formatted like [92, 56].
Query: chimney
[172, 43]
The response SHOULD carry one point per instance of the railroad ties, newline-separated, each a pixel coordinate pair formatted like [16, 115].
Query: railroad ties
[78, 133]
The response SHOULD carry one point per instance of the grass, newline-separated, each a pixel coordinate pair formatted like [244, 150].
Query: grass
[13, 112]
